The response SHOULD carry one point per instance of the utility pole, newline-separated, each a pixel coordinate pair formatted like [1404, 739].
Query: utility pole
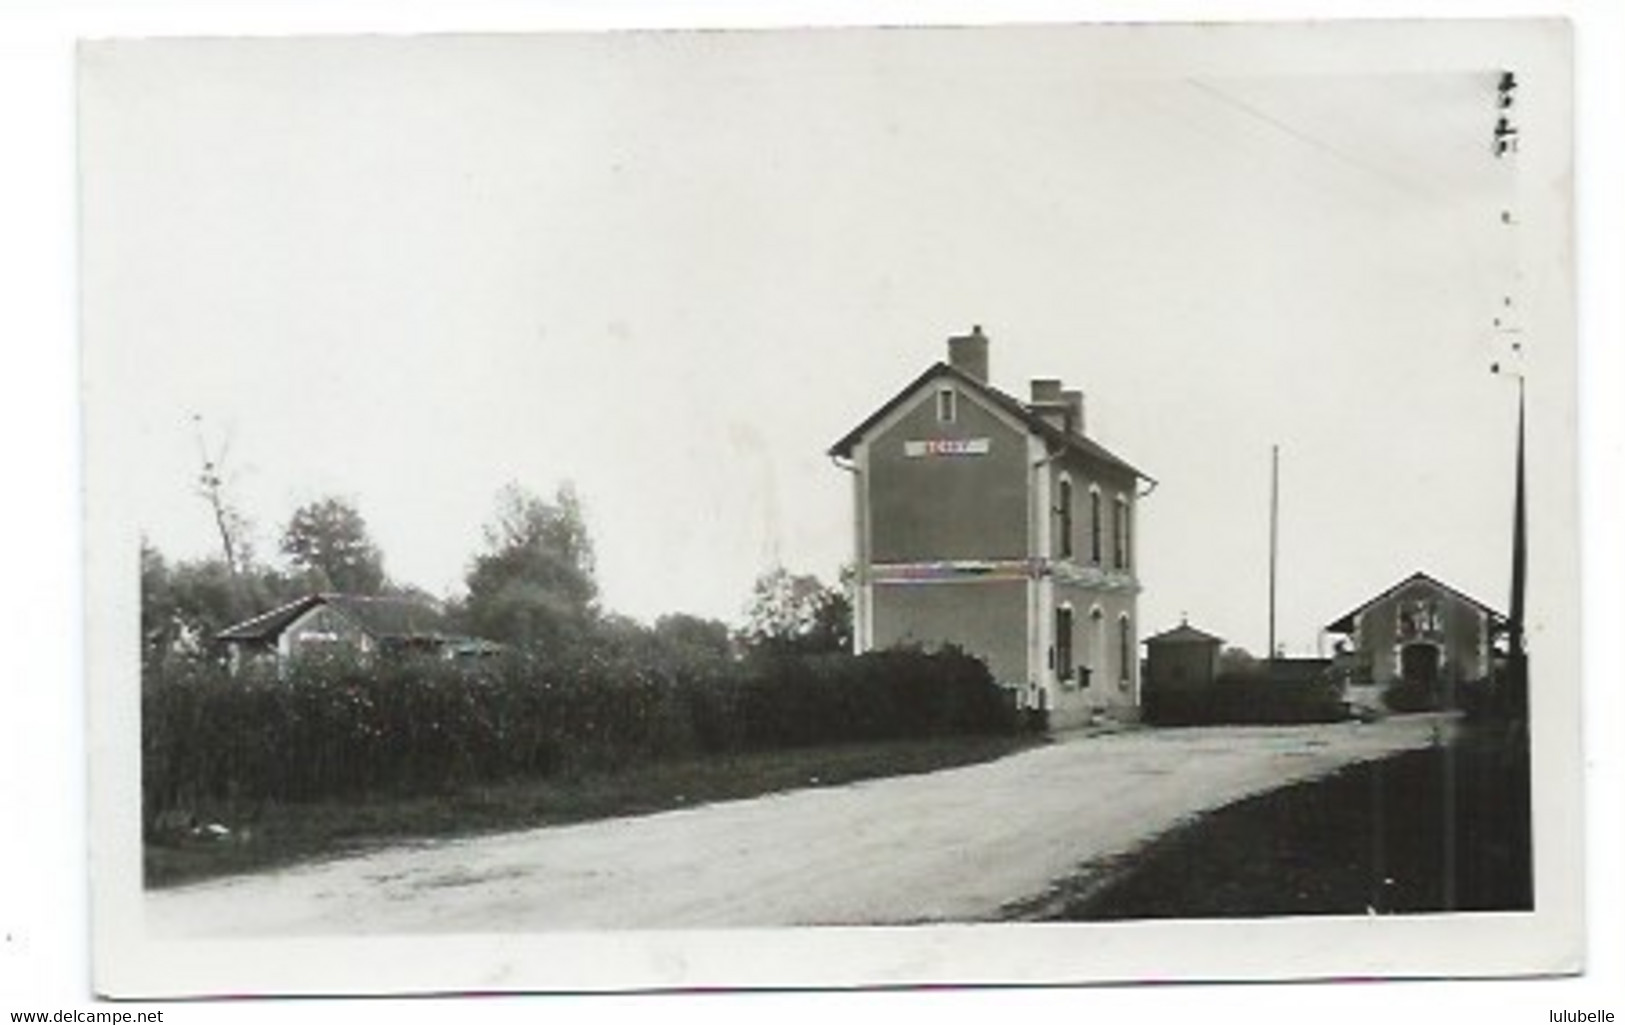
[1275, 511]
[1517, 658]
[1505, 143]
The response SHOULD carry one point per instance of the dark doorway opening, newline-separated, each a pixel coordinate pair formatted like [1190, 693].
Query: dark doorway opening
[1419, 664]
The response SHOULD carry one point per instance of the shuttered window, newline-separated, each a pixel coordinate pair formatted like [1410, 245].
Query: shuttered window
[1094, 526]
[1063, 520]
[1063, 643]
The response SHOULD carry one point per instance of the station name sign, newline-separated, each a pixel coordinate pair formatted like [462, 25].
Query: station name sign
[947, 447]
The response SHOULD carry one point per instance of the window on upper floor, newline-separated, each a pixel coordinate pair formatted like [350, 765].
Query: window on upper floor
[947, 405]
[1128, 534]
[1063, 519]
[1120, 538]
[1094, 526]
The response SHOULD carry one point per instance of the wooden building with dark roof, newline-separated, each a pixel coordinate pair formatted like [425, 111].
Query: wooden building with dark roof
[360, 625]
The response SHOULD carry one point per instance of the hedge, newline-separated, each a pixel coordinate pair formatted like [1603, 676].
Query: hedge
[1247, 700]
[341, 728]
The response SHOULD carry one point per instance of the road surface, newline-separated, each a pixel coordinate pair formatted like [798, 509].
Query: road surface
[954, 846]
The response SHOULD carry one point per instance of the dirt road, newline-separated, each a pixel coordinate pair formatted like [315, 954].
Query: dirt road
[949, 846]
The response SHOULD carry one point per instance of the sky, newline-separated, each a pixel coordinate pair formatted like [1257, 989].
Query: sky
[673, 268]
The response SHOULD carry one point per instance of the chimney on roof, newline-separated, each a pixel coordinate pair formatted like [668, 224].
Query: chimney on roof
[1046, 390]
[1074, 409]
[968, 353]
[1047, 402]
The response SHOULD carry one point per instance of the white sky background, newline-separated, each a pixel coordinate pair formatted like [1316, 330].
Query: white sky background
[675, 268]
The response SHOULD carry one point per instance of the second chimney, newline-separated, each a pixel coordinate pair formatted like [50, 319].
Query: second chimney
[1046, 391]
[1074, 410]
[968, 353]
[1047, 401]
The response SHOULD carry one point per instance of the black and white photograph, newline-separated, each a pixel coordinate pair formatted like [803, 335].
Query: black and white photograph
[830, 507]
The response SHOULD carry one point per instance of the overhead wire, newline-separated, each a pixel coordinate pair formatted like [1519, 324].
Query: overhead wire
[1402, 183]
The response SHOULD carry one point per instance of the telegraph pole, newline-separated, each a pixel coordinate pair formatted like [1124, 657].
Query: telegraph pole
[1517, 655]
[1504, 143]
[1275, 515]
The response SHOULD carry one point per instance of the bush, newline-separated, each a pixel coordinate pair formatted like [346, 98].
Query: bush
[340, 728]
[1503, 697]
[1414, 696]
[1265, 701]
[1179, 708]
[1247, 699]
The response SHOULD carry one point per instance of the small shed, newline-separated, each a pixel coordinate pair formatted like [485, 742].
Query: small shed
[360, 625]
[1180, 664]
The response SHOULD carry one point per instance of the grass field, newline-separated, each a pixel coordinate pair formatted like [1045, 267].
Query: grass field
[273, 834]
[1443, 829]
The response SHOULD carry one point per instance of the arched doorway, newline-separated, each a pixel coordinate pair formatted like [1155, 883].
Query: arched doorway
[1419, 664]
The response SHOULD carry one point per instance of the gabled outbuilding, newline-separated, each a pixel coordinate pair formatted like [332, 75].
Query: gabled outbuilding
[360, 625]
[1421, 631]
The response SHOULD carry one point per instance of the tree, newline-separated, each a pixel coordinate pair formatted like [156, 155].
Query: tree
[158, 622]
[211, 486]
[1236, 663]
[534, 586]
[797, 613]
[184, 605]
[328, 541]
[693, 638]
[692, 644]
